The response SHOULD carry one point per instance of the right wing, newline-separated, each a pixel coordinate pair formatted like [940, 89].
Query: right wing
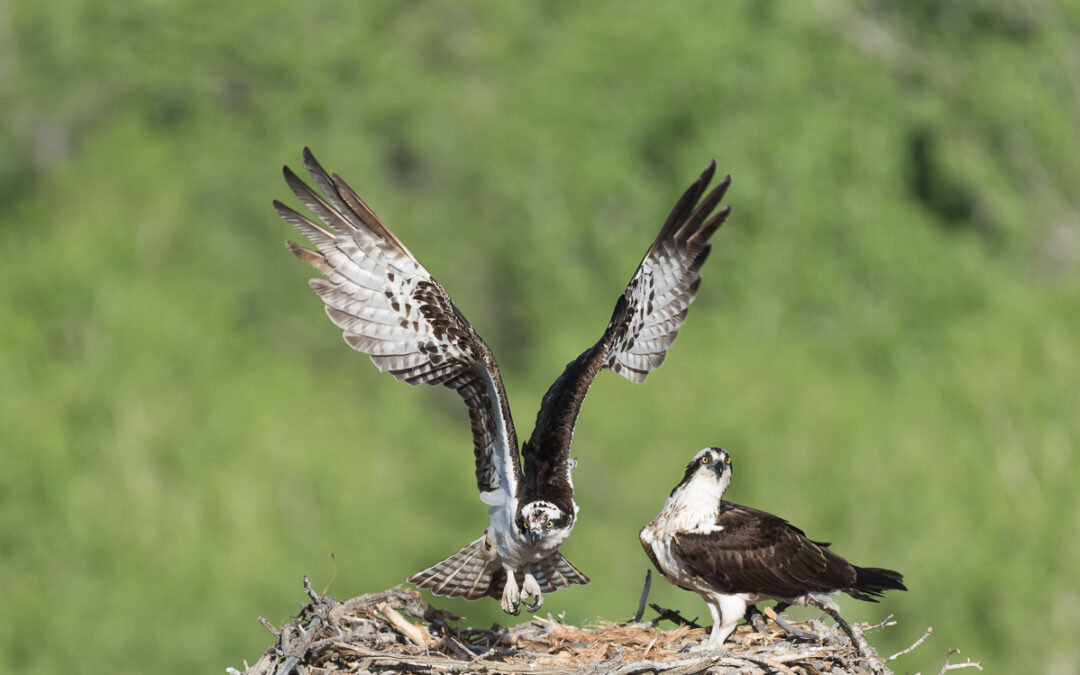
[392, 309]
[644, 325]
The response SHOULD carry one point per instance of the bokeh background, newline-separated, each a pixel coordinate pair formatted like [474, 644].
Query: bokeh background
[886, 336]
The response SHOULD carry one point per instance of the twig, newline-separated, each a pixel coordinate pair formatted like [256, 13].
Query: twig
[649, 648]
[310, 592]
[644, 596]
[844, 625]
[675, 667]
[288, 666]
[269, 626]
[411, 631]
[333, 574]
[857, 639]
[954, 666]
[819, 652]
[884, 623]
[773, 664]
[792, 630]
[673, 616]
[913, 647]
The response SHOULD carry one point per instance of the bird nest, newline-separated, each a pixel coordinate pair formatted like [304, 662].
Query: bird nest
[396, 632]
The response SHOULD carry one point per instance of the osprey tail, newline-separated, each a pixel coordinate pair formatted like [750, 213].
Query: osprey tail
[476, 571]
[555, 572]
[466, 574]
[871, 582]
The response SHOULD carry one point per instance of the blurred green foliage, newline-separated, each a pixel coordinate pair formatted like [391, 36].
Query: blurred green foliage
[886, 336]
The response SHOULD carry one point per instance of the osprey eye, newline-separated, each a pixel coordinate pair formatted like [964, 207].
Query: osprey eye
[705, 459]
[550, 524]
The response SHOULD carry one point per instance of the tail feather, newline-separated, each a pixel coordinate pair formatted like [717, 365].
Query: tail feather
[871, 582]
[475, 572]
[466, 574]
[555, 572]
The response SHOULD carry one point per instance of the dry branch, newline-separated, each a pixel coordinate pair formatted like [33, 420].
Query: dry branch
[956, 666]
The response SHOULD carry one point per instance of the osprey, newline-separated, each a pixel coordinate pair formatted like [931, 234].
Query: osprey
[733, 556]
[391, 308]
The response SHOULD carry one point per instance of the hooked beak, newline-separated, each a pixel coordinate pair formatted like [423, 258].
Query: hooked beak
[534, 534]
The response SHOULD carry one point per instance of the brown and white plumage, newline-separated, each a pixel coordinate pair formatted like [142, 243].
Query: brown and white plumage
[734, 555]
[391, 308]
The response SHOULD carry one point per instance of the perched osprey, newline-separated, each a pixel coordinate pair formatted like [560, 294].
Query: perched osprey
[734, 556]
[390, 307]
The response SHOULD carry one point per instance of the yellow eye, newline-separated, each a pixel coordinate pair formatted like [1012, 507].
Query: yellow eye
[705, 459]
[727, 460]
[550, 524]
[524, 524]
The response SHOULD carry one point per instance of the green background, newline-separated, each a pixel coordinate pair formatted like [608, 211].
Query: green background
[885, 338]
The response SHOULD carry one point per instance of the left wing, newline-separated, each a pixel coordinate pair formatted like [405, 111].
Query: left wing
[644, 325]
[391, 308]
[665, 283]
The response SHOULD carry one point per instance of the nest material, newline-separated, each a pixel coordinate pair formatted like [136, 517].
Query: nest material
[371, 634]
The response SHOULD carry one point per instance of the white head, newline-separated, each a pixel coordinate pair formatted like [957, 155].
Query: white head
[541, 519]
[710, 470]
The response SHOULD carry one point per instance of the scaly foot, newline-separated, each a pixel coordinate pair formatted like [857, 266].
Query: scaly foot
[511, 598]
[530, 593]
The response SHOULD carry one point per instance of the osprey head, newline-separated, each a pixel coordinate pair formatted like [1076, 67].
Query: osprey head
[542, 519]
[711, 466]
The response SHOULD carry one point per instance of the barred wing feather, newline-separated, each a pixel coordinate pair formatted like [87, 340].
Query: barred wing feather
[655, 303]
[644, 324]
[391, 308]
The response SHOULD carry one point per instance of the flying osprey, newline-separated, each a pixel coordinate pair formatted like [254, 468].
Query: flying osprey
[390, 307]
[733, 556]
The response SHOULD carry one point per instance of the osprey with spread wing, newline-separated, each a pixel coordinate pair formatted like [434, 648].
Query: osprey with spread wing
[391, 308]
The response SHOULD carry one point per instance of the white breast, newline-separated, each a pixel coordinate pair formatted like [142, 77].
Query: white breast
[691, 508]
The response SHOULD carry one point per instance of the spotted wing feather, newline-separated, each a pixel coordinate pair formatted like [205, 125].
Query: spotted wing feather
[391, 308]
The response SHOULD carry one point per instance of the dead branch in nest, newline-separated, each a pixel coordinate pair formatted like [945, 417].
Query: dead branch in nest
[955, 666]
[664, 614]
[396, 632]
[644, 596]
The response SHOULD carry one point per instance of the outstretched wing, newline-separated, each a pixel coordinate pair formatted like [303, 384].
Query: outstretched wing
[644, 325]
[392, 309]
[659, 294]
[757, 552]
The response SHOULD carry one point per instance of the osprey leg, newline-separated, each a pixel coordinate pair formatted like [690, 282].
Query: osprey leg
[726, 611]
[511, 598]
[530, 593]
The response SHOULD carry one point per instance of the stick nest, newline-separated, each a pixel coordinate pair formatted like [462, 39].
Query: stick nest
[396, 632]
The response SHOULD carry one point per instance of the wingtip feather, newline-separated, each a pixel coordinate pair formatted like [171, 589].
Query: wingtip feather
[707, 174]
